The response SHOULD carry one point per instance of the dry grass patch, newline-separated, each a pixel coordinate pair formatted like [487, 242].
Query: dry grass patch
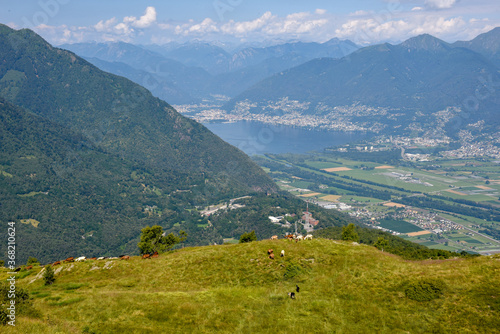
[336, 169]
[310, 195]
[394, 205]
[331, 198]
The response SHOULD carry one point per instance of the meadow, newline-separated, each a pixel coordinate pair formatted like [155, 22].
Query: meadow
[344, 288]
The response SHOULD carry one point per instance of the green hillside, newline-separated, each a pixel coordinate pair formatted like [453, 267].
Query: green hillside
[344, 288]
[116, 114]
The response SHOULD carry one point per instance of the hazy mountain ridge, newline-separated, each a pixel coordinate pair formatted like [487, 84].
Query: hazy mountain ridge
[421, 74]
[204, 69]
[487, 44]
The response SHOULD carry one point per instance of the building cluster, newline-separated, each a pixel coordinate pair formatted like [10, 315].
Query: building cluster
[429, 221]
[470, 150]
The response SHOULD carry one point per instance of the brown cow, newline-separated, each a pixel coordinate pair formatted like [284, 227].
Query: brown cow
[145, 256]
[93, 258]
[274, 237]
[125, 257]
[29, 267]
[155, 254]
[289, 237]
[56, 263]
[69, 259]
[271, 256]
[269, 251]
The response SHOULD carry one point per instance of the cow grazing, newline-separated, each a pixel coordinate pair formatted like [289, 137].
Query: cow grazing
[29, 267]
[308, 237]
[282, 254]
[93, 258]
[289, 236]
[274, 237]
[291, 295]
[155, 255]
[269, 251]
[299, 238]
[56, 263]
[297, 288]
[80, 259]
[69, 259]
[17, 269]
[146, 256]
[271, 256]
[125, 257]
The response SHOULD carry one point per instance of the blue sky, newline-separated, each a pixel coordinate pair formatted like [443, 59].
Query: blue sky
[163, 21]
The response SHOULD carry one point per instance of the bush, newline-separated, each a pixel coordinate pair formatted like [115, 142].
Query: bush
[424, 290]
[248, 237]
[3, 317]
[349, 233]
[48, 275]
[32, 261]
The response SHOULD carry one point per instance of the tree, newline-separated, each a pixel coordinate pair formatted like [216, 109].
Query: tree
[32, 261]
[154, 240]
[248, 237]
[349, 233]
[48, 275]
[381, 243]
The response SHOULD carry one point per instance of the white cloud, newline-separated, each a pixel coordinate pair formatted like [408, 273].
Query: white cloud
[361, 27]
[245, 27]
[205, 27]
[105, 25]
[440, 4]
[369, 30]
[144, 21]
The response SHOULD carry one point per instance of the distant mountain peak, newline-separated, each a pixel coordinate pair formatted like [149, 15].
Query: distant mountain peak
[425, 42]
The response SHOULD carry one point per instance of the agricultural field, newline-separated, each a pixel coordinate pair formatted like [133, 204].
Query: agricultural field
[400, 226]
[460, 192]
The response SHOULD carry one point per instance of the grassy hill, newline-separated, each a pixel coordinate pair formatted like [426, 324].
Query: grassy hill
[344, 288]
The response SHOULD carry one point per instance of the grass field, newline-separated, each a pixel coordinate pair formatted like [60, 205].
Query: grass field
[399, 226]
[344, 288]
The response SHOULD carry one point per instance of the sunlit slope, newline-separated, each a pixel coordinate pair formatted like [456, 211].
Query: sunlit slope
[344, 288]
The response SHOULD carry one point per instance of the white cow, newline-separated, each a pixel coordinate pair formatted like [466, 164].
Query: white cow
[80, 259]
[308, 237]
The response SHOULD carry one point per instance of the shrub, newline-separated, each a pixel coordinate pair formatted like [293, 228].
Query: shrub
[248, 237]
[48, 275]
[32, 261]
[424, 290]
[349, 233]
[3, 317]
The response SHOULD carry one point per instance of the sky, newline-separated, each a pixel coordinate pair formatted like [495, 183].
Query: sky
[250, 21]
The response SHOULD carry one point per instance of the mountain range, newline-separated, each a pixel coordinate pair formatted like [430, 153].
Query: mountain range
[420, 76]
[203, 69]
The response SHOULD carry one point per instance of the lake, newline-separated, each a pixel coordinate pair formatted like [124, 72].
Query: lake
[259, 138]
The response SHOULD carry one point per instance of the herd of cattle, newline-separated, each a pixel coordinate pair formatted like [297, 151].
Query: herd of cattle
[83, 258]
[290, 237]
